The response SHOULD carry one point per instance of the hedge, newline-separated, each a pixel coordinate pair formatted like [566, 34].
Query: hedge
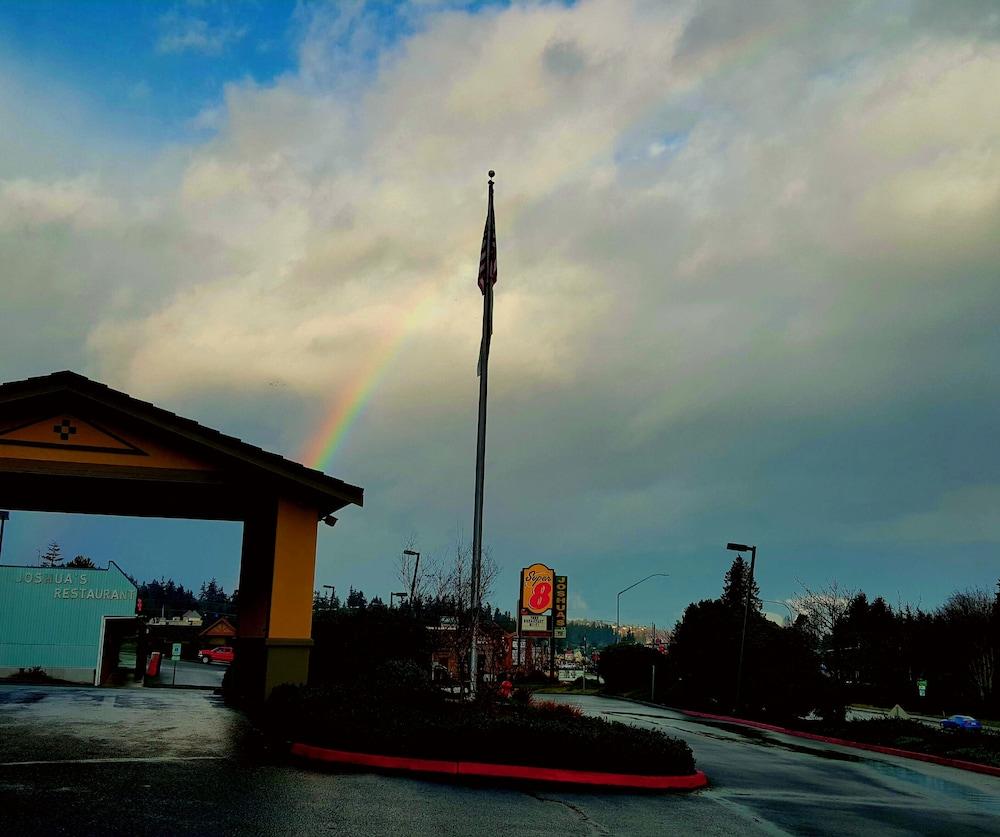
[398, 716]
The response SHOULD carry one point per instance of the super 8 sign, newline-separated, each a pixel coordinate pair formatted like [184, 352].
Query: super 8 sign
[537, 588]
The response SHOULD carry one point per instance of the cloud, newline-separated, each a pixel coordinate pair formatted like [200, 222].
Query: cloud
[79, 202]
[966, 515]
[181, 33]
[747, 264]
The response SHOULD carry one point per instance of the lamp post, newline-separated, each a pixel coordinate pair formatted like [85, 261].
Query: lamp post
[416, 565]
[618, 606]
[741, 547]
[4, 517]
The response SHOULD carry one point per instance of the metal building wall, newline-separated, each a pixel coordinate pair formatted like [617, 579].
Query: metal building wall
[52, 618]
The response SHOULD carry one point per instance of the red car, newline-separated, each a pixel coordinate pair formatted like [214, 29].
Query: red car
[222, 654]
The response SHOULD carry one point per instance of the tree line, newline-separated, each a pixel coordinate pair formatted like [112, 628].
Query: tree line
[842, 647]
[167, 597]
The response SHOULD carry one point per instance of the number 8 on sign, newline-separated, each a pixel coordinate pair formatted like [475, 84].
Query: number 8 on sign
[541, 597]
[537, 589]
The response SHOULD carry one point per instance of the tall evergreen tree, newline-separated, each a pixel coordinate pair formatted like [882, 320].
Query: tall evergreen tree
[734, 590]
[52, 557]
[212, 598]
[356, 599]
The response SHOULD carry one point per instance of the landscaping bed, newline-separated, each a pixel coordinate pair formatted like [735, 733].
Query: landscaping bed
[394, 712]
[981, 747]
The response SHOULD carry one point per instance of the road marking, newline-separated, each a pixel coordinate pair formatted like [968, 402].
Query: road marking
[137, 760]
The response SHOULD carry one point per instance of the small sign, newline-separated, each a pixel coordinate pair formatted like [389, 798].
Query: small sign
[922, 688]
[532, 623]
[559, 606]
[560, 633]
[175, 651]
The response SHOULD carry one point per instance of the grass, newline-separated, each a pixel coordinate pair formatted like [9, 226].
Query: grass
[980, 747]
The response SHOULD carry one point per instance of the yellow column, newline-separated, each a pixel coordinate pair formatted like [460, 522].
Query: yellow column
[290, 618]
[294, 571]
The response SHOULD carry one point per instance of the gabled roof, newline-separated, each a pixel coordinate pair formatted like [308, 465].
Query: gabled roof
[327, 493]
[220, 627]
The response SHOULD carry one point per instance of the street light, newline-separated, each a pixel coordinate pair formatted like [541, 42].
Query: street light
[742, 547]
[791, 616]
[618, 608]
[416, 565]
[4, 517]
[396, 596]
[331, 588]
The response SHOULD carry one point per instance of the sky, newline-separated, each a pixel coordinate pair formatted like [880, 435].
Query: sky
[748, 277]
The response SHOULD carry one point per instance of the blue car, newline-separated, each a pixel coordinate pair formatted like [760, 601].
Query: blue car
[966, 722]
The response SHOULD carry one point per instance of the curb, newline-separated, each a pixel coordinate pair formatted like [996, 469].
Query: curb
[501, 771]
[840, 742]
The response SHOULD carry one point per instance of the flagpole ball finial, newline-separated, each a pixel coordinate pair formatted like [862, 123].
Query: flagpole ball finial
[492, 173]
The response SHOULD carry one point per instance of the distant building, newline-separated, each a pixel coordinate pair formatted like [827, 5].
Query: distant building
[66, 622]
[189, 618]
[220, 632]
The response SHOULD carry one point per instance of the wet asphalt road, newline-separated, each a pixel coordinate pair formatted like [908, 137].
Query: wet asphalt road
[154, 761]
[787, 785]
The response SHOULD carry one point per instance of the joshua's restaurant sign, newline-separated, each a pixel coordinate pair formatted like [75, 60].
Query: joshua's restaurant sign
[70, 584]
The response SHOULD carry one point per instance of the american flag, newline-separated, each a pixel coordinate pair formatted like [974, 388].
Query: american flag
[488, 255]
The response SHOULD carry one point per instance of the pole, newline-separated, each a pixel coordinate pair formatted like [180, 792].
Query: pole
[413, 583]
[484, 361]
[743, 638]
[618, 606]
[3, 521]
[652, 686]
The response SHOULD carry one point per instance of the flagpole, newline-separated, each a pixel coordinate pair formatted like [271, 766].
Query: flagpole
[484, 360]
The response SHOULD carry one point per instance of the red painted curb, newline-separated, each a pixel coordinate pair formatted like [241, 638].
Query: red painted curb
[503, 771]
[857, 745]
[371, 760]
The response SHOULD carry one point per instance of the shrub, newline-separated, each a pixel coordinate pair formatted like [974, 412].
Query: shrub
[628, 667]
[559, 710]
[521, 695]
[350, 643]
[533, 678]
[390, 717]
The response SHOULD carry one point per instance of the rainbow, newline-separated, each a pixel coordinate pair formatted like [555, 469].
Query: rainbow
[343, 412]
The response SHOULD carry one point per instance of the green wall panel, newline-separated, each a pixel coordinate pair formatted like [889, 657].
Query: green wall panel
[52, 617]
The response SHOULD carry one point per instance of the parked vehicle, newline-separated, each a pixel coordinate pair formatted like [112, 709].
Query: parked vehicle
[222, 654]
[966, 722]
